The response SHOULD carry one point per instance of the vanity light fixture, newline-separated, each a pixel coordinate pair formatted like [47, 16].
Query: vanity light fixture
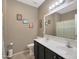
[61, 1]
[51, 7]
[56, 4]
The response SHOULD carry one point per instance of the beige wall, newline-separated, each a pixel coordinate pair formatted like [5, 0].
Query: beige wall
[16, 31]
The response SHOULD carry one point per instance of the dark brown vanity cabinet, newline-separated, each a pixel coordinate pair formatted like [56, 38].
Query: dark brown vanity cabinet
[38, 51]
[49, 54]
[41, 52]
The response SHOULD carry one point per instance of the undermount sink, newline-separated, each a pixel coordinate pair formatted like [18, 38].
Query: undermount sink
[56, 42]
[63, 43]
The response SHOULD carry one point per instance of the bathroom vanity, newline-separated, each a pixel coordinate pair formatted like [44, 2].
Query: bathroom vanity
[42, 52]
[54, 49]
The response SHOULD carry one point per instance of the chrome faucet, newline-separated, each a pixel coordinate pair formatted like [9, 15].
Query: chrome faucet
[68, 44]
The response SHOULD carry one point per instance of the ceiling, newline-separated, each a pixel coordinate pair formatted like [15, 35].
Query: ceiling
[34, 3]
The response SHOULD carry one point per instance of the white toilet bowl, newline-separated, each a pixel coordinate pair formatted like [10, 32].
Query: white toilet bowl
[31, 48]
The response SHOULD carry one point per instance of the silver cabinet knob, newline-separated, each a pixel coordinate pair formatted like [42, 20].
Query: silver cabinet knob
[54, 57]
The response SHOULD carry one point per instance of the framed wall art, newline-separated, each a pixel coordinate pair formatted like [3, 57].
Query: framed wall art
[25, 21]
[40, 23]
[19, 17]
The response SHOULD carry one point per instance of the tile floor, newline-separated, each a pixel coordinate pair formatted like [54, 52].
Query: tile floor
[23, 56]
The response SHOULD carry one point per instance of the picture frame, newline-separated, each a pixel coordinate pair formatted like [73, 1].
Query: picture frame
[19, 17]
[25, 21]
[40, 23]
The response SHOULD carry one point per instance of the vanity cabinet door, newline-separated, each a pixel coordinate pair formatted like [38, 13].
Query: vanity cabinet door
[41, 52]
[49, 54]
[36, 50]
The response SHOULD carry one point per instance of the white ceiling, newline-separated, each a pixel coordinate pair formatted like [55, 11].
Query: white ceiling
[34, 3]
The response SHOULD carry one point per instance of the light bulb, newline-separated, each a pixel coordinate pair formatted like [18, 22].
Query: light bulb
[61, 1]
[51, 7]
[57, 3]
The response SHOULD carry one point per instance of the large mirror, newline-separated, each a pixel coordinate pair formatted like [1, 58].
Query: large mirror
[61, 24]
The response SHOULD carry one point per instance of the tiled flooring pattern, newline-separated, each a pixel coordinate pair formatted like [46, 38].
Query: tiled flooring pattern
[23, 56]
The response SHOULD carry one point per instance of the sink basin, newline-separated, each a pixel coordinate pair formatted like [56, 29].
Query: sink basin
[63, 43]
[56, 42]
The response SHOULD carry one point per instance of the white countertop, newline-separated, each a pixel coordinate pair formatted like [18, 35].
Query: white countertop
[58, 45]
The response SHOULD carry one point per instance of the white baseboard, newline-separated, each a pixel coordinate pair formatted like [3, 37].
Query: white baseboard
[18, 53]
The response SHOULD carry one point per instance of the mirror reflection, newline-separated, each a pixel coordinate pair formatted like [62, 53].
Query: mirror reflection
[61, 24]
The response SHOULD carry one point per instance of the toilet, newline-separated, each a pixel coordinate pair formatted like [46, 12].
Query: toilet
[31, 48]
